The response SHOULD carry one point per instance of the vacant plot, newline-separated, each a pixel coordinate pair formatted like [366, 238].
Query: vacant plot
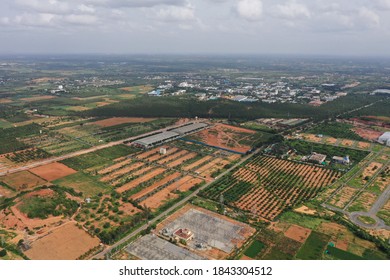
[5, 191]
[367, 133]
[65, 243]
[53, 171]
[5, 100]
[363, 145]
[116, 121]
[227, 137]
[219, 233]
[140, 180]
[84, 183]
[22, 180]
[5, 124]
[297, 233]
[151, 247]
[38, 98]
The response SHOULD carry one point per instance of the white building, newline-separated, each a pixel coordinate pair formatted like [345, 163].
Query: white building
[385, 138]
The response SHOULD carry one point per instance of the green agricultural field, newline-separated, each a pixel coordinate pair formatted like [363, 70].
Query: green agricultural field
[84, 183]
[314, 247]
[336, 130]
[5, 124]
[85, 161]
[341, 254]
[116, 152]
[43, 207]
[254, 249]
[301, 220]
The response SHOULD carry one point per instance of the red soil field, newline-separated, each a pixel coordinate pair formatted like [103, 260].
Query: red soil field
[22, 180]
[116, 121]
[297, 233]
[67, 242]
[226, 136]
[53, 171]
[140, 180]
[367, 133]
[155, 185]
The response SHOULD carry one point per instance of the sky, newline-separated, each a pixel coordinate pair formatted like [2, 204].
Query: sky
[312, 27]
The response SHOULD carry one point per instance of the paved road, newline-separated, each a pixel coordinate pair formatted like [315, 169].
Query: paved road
[82, 152]
[102, 254]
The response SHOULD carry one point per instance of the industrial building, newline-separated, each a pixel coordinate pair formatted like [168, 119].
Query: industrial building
[191, 128]
[166, 136]
[385, 138]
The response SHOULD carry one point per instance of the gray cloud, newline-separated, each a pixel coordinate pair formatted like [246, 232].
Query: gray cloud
[196, 25]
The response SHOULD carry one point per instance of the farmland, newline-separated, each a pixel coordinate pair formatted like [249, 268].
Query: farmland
[265, 186]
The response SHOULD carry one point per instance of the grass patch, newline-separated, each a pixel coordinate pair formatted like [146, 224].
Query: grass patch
[275, 254]
[341, 254]
[254, 249]
[116, 151]
[366, 220]
[301, 220]
[84, 183]
[314, 246]
[85, 161]
[42, 207]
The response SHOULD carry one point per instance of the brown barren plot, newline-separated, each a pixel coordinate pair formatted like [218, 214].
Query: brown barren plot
[363, 145]
[155, 185]
[183, 185]
[331, 140]
[196, 163]
[4, 192]
[172, 157]
[226, 137]
[67, 242]
[312, 138]
[22, 180]
[208, 166]
[367, 133]
[116, 121]
[297, 233]
[150, 152]
[346, 142]
[114, 167]
[140, 180]
[122, 171]
[371, 169]
[38, 98]
[181, 160]
[343, 197]
[366, 200]
[160, 156]
[53, 171]
[5, 100]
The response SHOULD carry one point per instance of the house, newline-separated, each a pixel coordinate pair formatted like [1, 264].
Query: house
[317, 158]
[184, 234]
[341, 160]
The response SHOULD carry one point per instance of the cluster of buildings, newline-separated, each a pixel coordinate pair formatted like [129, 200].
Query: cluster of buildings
[250, 90]
[321, 158]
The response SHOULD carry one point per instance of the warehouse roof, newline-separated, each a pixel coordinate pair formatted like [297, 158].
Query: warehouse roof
[156, 138]
[189, 128]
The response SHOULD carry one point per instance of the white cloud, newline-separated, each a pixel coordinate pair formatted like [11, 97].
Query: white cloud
[174, 13]
[251, 10]
[382, 4]
[293, 10]
[369, 16]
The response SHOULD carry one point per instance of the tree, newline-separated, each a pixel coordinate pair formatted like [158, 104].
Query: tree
[3, 253]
